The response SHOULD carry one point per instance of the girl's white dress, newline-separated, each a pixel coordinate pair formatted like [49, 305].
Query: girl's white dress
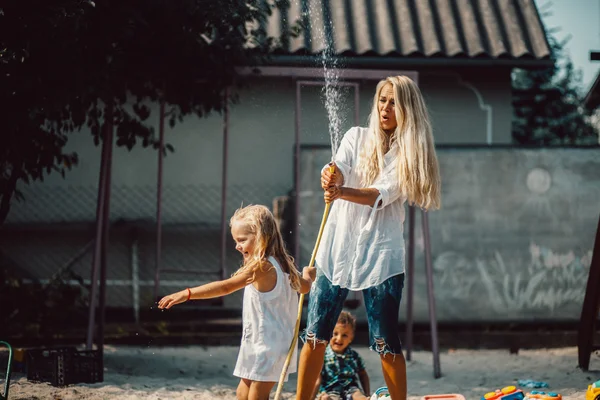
[269, 319]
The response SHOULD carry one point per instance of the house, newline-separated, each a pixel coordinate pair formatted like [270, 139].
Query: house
[461, 53]
[592, 103]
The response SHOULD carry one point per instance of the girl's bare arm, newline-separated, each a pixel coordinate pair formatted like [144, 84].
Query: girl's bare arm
[209, 290]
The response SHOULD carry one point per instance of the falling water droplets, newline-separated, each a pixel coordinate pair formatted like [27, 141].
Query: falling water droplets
[333, 94]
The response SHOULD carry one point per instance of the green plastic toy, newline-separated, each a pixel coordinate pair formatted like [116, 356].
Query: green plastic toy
[4, 396]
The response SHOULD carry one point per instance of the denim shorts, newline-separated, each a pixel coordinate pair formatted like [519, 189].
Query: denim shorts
[382, 303]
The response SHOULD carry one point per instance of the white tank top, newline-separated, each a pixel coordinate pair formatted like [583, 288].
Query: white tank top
[269, 319]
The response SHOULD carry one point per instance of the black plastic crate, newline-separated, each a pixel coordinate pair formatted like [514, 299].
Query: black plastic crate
[64, 366]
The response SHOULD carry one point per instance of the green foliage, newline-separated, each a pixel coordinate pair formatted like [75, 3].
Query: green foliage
[62, 62]
[548, 104]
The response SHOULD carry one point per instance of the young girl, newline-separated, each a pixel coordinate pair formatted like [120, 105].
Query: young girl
[271, 283]
[376, 170]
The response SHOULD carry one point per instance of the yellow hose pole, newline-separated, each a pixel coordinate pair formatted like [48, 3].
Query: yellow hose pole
[301, 301]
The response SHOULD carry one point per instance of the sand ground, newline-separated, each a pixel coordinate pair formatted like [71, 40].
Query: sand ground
[196, 372]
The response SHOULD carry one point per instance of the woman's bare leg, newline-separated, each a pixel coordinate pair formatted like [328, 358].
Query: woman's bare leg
[309, 368]
[394, 373]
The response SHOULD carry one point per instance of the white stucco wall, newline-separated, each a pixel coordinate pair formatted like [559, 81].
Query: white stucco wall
[456, 111]
[260, 168]
[261, 155]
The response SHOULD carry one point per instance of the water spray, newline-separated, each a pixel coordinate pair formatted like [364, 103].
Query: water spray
[332, 104]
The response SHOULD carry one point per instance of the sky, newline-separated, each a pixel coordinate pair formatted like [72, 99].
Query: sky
[581, 20]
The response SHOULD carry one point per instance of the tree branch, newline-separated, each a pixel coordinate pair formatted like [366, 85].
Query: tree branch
[7, 194]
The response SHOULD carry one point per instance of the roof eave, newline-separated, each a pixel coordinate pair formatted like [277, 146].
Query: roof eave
[408, 62]
[592, 99]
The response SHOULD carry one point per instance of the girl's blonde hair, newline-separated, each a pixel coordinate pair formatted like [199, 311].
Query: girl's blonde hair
[268, 242]
[418, 170]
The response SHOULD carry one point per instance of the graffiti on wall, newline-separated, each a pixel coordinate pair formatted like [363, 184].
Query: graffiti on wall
[549, 281]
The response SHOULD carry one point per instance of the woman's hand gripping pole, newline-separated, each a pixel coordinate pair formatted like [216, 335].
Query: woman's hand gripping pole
[301, 300]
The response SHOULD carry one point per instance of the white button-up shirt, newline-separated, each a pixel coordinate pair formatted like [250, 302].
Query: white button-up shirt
[362, 246]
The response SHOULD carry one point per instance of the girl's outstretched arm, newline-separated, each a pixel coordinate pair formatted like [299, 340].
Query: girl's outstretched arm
[209, 290]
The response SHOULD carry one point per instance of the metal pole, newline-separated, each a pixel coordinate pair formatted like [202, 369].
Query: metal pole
[224, 186]
[159, 185]
[410, 272]
[135, 278]
[297, 174]
[105, 231]
[432, 319]
[298, 115]
[589, 308]
[97, 246]
[356, 104]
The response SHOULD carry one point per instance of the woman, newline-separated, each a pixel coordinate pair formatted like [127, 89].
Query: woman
[376, 169]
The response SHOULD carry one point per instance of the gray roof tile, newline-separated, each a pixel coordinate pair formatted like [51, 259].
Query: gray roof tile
[493, 29]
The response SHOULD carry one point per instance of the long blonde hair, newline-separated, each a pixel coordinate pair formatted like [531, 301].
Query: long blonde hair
[268, 242]
[418, 170]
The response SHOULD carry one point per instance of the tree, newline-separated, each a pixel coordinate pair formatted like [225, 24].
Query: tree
[548, 104]
[64, 62]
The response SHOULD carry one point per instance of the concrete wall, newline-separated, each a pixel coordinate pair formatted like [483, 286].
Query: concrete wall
[513, 239]
[455, 99]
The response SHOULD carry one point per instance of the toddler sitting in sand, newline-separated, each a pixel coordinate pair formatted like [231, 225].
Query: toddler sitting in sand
[343, 367]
